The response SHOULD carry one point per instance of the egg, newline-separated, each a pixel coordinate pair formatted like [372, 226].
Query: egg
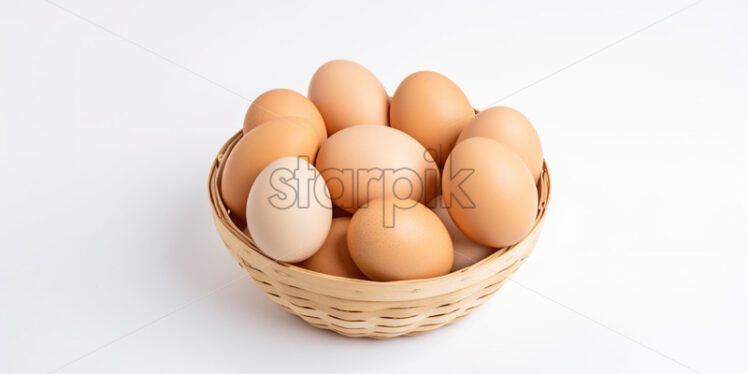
[509, 127]
[466, 251]
[347, 94]
[289, 213]
[432, 109]
[284, 103]
[333, 257]
[489, 192]
[365, 162]
[399, 241]
[258, 148]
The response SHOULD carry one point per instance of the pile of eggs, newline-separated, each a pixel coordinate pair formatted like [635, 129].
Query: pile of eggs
[349, 182]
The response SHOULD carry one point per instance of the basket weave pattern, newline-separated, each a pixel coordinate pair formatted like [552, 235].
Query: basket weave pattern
[363, 308]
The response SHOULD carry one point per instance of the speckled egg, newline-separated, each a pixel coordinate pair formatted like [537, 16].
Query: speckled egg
[398, 241]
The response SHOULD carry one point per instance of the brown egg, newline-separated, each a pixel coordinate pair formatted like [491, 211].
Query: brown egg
[489, 192]
[466, 251]
[509, 127]
[258, 148]
[365, 162]
[284, 103]
[432, 109]
[347, 94]
[333, 257]
[399, 241]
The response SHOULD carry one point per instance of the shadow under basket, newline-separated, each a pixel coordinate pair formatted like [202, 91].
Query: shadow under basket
[363, 308]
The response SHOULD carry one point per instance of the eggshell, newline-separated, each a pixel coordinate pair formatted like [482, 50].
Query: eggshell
[489, 192]
[333, 257]
[509, 127]
[399, 241]
[347, 94]
[365, 162]
[258, 148]
[289, 212]
[280, 103]
[432, 109]
[466, 251]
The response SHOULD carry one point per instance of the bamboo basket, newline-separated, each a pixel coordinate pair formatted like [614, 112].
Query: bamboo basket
[362, 308]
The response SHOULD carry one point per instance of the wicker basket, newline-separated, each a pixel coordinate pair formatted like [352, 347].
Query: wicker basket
[364, 308]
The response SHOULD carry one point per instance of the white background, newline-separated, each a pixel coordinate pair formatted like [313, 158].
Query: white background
[109, 121]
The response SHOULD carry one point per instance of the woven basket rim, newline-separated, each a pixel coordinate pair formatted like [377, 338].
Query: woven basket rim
[221, 211]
